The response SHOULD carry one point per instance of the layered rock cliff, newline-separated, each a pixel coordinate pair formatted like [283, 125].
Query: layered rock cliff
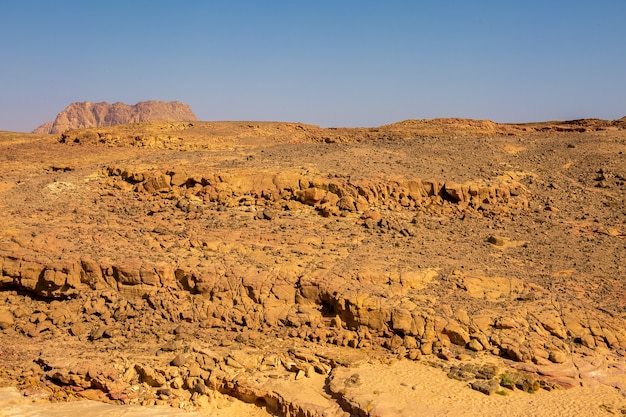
[86, 114]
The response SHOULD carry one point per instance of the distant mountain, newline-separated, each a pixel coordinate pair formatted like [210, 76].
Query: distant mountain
[86, 114]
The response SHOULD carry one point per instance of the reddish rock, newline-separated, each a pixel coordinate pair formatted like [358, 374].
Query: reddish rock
[86, 114]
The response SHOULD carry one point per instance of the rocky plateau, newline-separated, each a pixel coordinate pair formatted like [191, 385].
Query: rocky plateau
[86, 114]
[313, 271]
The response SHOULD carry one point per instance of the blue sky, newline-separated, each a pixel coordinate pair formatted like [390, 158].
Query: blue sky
[330, 63]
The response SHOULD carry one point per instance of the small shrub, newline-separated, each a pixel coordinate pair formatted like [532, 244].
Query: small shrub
[506, 381]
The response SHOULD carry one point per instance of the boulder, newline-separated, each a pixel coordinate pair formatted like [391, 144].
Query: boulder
[454, 191]
[312, 196]
[157, 182]
[178, 178]
[487, 387]
[557, 356]
[457, 334]
[30, 273]
[346, 203]
[179, 360]
[551, 321]
[6, 319]
[150, 376]
[402, 320]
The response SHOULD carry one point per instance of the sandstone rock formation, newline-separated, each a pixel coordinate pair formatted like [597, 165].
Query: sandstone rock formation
[86, 114]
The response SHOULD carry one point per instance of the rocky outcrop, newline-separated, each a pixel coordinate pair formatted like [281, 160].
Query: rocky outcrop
[108, 304]
[86, 115]
[368, 304]
[330, 197]
[44, 128]
[371, 305]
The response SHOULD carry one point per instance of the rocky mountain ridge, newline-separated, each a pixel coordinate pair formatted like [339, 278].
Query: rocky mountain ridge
[85, 114]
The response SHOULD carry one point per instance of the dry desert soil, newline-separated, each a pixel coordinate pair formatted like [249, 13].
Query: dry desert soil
[423, 268]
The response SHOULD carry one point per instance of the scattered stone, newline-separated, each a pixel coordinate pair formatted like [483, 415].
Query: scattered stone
[557, 356]
[150, 376]
[179, 360]
[457, 334]
[475, 345]
[373, 215]
[461, 373]
[496, 240]
[6, 319]
[487, 371]
[98, 333]
[78, 329]
[269, 214]
[170, 346]
[487, 387]
[200, 388]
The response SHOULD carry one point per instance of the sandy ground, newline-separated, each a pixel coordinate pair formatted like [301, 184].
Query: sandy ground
[406, 388]
[413, 389]
[13, 404]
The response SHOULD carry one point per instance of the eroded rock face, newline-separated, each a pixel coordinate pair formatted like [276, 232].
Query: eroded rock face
[85, 115]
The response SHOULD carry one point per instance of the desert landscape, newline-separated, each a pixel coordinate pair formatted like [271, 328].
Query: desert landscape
[421, 268]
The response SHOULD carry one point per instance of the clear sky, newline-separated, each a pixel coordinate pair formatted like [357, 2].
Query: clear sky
[325, 62]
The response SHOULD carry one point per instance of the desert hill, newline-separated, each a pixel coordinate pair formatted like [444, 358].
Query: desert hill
[86, 114]
[209, 134]
[471, 126]
[318, 271]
